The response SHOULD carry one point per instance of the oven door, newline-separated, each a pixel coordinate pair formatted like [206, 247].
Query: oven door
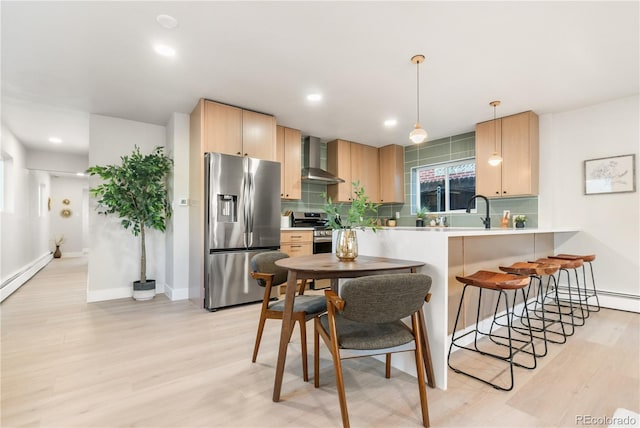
[321, 246]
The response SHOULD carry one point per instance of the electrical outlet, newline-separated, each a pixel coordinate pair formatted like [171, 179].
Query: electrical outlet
[183, 202]
[397, 214]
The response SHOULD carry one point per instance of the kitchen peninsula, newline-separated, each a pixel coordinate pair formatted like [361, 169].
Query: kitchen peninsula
[448, 252]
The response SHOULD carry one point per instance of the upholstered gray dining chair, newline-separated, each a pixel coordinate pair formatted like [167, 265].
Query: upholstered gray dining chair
[367, 320]
[269, 275]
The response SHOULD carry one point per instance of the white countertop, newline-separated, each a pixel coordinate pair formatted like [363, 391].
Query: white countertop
[296, 228]
[480, 231]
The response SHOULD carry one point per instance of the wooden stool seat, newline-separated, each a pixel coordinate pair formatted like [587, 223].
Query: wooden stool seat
[587, 258]
[494, 280]
[528, 268]
[564, 263]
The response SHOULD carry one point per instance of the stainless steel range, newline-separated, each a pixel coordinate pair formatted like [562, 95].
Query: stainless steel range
[321, 233]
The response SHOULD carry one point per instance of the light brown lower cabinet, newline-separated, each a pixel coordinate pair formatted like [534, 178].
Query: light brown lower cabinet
[296, 243]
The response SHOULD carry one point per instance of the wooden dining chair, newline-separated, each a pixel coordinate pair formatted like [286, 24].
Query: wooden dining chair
[305, 308]
[367, 320]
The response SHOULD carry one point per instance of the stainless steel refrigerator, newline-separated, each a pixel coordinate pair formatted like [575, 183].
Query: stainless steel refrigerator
[242, 219]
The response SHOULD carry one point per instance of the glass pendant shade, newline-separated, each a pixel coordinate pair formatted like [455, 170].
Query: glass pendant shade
[495, 159]
[418, 135]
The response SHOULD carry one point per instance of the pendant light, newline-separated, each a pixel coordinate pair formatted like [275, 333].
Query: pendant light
[418, 135]
[495, 159]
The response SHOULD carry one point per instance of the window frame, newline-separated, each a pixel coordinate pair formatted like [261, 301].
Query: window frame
[415, 185]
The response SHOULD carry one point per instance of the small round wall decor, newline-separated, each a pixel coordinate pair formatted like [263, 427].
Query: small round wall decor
[66, 201]
[65, 213]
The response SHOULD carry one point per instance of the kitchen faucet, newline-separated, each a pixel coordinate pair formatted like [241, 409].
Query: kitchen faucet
[487, 220]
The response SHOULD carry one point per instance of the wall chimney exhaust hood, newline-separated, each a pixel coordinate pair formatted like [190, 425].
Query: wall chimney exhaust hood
[311, 170]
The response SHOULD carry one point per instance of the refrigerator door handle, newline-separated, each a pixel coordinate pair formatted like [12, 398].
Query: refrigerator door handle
[245, 201]
[250, 207]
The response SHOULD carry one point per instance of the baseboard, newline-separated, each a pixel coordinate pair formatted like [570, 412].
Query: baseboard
[176, 293]
[109, 294]
[23, 275]
[619, 301]
[117, 293]
[73, 254]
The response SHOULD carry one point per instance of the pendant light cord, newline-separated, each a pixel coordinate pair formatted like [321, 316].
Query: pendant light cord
[418, 92]
[495, 131]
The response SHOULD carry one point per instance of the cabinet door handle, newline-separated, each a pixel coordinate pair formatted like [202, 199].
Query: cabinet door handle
[497, 193]
[296, 246]
[238, 153]
[296, 236]
[246, 154]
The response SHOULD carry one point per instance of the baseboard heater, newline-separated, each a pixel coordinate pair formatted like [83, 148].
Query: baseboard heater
[16, 280]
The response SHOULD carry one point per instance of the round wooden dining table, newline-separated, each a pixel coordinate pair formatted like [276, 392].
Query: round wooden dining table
[328, 266]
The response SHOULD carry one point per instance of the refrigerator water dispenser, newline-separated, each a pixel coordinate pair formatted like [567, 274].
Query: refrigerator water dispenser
[227, 208]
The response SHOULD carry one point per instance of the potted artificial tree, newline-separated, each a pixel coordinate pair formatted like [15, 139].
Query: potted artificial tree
[136, 192]
[355, 218]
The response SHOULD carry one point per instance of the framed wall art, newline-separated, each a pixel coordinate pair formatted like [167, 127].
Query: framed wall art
[614, 174]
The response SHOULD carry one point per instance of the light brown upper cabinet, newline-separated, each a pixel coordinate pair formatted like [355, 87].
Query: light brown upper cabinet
[222, 128]
[516, 140]
[391, 174]
[288, 153]
[234, 131]
[352, 162]
[258, 135]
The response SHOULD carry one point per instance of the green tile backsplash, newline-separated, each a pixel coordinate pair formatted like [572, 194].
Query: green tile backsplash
[442, 150]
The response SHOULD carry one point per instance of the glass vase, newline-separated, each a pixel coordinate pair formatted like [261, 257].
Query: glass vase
[346, 245]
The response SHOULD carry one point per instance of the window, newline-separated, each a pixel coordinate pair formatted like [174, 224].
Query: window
[444, 187]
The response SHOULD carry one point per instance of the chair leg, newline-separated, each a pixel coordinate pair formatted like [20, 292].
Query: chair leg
[316, 353]
[420, 370]
[387, 369]
[258, 338]
[303, 341]
[337, 364]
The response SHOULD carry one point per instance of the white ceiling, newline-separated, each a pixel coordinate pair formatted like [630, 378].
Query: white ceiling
[62, 61]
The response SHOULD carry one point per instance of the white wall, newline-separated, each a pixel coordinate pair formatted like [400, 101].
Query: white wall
[177, 266]
[609, 223]
[72, 228]
[114, 256]
[56, 162]
[24, 225]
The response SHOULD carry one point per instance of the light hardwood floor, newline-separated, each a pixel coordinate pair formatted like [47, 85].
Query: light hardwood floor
[66, 363]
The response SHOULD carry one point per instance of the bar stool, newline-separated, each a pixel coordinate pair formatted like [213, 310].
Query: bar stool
[536, 309]
[501, 283]
[588, 293]
[566, 295]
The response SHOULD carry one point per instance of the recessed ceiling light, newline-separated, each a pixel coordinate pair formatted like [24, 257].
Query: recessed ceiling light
[314, 97]
[55, 140]
[164, 50]
[80, 174]
[390, 123]
[167, 21]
